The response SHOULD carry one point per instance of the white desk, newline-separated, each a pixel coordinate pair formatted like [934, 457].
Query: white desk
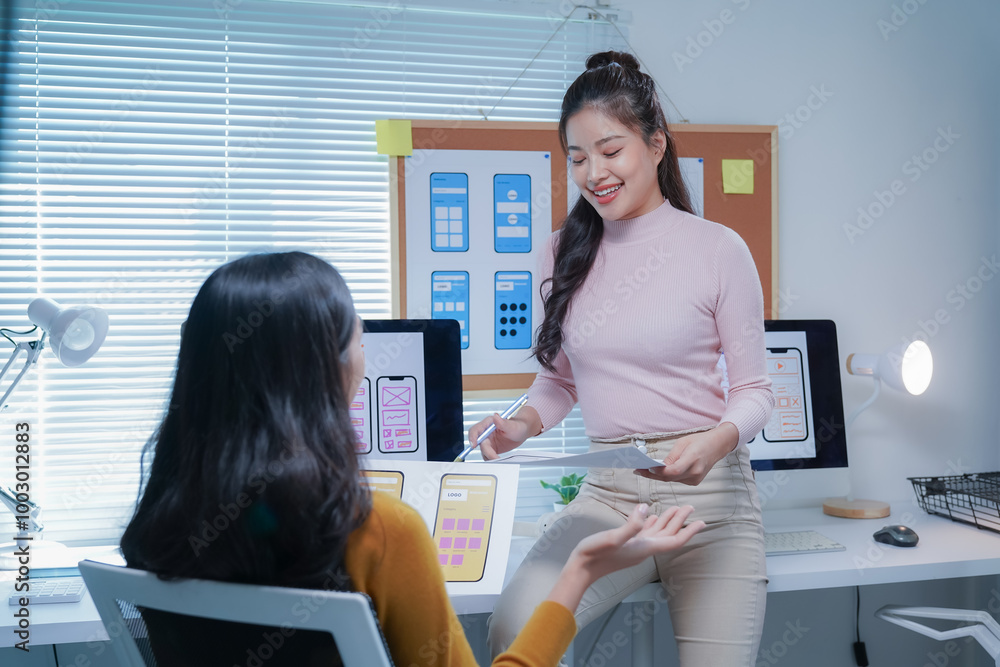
[946, 550]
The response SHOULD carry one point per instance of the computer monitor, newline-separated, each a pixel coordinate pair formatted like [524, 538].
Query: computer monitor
[802, 451]
[420, 360]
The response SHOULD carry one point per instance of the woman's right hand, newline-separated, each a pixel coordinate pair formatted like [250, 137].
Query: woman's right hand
[509, 433]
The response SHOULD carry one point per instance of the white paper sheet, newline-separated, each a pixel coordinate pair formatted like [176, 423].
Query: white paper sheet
[621, 457]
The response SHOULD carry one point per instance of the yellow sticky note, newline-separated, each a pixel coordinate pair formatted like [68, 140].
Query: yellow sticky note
[393, 137]
[737, 177]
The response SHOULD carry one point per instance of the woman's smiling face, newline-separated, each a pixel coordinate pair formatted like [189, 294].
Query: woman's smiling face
[613, 166]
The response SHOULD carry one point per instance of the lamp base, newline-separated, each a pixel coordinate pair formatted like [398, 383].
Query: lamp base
[855, 509]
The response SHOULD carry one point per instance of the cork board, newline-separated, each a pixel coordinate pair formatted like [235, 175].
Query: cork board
[432, 136]
[753, 215]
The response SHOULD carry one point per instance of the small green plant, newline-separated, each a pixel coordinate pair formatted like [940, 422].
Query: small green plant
[567, 488]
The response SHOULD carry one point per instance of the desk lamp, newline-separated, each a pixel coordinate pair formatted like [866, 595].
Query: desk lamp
[74, 334]
[907, 368]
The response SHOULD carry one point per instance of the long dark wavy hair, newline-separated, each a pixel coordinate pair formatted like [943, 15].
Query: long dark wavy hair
[254, 476]
[612, 85]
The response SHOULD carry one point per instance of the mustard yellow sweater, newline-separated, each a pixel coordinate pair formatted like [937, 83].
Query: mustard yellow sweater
[392, 559]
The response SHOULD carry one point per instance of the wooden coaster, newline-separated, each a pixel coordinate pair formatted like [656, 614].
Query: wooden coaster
[855, 509]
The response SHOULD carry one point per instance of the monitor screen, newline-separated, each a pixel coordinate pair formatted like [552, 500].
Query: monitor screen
[806, 429]
[413, 373]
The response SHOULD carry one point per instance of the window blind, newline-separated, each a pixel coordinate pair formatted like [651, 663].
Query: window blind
[144, 144]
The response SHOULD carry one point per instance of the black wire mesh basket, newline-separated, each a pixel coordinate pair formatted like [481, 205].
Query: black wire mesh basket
[973, 499]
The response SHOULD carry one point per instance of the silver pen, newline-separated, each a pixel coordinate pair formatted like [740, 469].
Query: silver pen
[506, 414]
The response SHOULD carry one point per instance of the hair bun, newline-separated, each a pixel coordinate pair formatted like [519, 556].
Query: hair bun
[606, 58]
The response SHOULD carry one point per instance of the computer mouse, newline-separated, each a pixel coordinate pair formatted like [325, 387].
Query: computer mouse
[897, 536]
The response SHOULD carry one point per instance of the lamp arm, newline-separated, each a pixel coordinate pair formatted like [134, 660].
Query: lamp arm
[33, 349]
[864, 406]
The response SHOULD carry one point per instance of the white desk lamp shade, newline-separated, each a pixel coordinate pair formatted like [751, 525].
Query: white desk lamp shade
[906, 367]
[75, 333]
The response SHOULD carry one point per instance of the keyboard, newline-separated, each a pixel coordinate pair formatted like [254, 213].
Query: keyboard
[50, 591]
[799, 542]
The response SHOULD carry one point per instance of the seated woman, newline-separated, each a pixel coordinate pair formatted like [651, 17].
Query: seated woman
[257, 430]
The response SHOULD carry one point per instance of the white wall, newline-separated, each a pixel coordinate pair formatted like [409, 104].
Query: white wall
[887, 96]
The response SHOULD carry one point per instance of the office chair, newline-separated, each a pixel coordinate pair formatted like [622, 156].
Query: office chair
[192, 622]
[983, 627]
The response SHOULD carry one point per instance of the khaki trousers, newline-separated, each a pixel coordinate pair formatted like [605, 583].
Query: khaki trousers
[714, 587]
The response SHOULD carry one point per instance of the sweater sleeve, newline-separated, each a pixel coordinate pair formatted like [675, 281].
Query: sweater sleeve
[405, 582]
[553, 393]
[543, 640]
[397, 566]
[739, 317]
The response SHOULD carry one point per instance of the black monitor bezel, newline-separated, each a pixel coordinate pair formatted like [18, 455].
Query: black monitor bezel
[442, 381]
[827, 397]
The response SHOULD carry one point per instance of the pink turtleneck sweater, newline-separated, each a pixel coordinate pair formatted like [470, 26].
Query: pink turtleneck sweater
[641, 341]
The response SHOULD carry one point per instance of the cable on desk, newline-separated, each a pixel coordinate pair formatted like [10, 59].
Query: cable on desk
[600, 632]
[860, 652]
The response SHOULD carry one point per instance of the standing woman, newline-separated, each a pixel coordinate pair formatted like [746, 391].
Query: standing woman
[641, 297]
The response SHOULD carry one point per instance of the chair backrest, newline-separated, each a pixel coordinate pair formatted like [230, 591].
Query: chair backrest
[264, 625]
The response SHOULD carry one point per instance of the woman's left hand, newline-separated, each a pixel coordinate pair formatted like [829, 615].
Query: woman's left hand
[643, 535]
[694, 455]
